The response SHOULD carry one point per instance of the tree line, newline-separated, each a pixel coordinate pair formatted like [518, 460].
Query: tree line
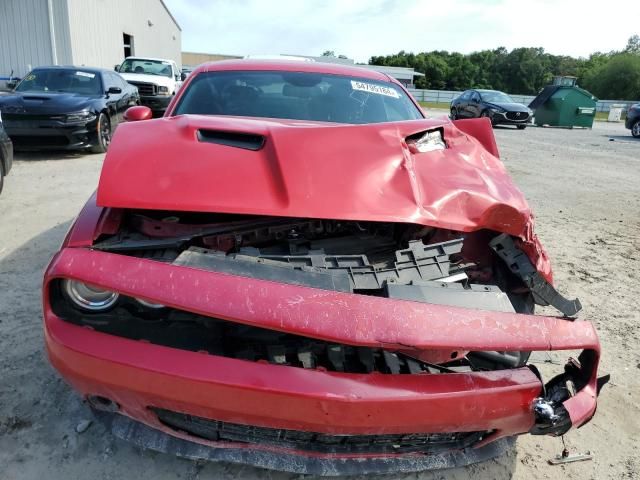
[614, 75]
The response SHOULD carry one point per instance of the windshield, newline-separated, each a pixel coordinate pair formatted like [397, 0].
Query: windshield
[62, 80]
[296, 96]
[496, 97]
[148, 67]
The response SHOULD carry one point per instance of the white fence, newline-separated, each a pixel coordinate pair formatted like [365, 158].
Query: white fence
[445, 96]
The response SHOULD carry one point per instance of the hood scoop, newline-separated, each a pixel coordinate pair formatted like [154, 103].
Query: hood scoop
[247, 141]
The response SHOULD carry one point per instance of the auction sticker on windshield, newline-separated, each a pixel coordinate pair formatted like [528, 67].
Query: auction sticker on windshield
[373, 88]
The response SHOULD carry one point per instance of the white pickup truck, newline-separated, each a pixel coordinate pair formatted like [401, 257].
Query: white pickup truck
[157, 80]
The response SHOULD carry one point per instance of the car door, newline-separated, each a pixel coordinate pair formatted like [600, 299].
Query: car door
[474, 107]
[113, 99]
[177, 76]
[131, 96]
[462, 104]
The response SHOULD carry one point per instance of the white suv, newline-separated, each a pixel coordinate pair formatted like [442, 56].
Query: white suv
[157, 80]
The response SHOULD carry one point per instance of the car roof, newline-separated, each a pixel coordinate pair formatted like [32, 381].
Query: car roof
[484, 90]
[72, 67]
[293, 66]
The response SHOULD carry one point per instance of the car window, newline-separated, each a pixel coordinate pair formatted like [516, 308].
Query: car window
[148, 67]
[465, 95]
[121, 81]
[111, 81]
[62, 80]
[296, 95]
[475, 97]
[496, 97]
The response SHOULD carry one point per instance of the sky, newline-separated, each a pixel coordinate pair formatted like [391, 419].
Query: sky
[362, 28]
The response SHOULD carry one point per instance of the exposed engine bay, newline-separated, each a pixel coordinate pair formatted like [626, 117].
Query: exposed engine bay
[392, 260]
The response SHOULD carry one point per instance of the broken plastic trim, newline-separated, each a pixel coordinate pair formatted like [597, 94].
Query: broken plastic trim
[551, 417]
[520, 265]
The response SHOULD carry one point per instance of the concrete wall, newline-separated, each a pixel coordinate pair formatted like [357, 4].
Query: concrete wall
[96, 28]
[25, 39]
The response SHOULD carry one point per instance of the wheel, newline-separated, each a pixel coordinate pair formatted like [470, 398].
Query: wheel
[487, 114]
[635, 129]
[454, 114]
[521, 127]
[104, 134]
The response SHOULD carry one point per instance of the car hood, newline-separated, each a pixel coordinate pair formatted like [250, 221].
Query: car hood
[510, 107]
[315, 170]
[155, 79]
[45, 102]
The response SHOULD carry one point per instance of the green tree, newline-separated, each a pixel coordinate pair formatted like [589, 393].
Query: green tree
[618, 79]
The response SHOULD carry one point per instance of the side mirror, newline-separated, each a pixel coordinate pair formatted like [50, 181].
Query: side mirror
[11, 84]
[137, 113]
[116, 68]
[114, 91]
[183, 76]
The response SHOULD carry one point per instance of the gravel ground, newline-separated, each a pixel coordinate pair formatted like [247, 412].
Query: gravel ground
[584, 186]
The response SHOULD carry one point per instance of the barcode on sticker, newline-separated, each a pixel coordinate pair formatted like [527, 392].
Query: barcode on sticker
[373, 88]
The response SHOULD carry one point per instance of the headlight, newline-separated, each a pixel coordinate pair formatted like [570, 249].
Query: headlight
[83, 116]
[163, 90]
[497, 110]
[89, 297]
[426, 142]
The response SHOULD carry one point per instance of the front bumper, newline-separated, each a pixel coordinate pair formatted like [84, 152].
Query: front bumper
[52, 134]
[503, 118]
[139, 376]
[157, 103]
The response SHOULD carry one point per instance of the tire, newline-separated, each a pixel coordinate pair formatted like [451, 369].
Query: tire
[454, 114]
[635, 129]
[521, 127]
[104, 134]
[1, 175]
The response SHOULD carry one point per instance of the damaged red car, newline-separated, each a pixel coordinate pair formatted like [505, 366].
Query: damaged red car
[294, 268]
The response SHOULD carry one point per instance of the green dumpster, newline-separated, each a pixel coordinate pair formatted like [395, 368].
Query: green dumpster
[564, 104]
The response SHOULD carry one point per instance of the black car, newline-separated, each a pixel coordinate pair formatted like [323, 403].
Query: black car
[66, 108]
[497, 106]
[6, 154]
[633, 120]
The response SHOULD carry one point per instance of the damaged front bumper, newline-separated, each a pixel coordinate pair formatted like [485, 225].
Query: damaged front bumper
[323, 421]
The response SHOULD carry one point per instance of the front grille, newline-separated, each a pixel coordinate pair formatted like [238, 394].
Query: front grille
[145, 88]
[517, 116]
[218, 431]
[39, 141]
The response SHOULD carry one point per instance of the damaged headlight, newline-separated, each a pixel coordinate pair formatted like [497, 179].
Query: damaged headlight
[89, 297]
[426, 142]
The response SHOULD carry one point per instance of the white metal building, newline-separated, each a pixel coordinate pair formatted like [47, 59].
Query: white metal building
[97, 33]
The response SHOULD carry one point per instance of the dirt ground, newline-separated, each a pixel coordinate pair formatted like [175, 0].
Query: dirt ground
[584, 186]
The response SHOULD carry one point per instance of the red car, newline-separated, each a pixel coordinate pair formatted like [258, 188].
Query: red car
[295, 269]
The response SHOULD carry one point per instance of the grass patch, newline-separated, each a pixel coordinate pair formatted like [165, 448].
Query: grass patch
[439, 105]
